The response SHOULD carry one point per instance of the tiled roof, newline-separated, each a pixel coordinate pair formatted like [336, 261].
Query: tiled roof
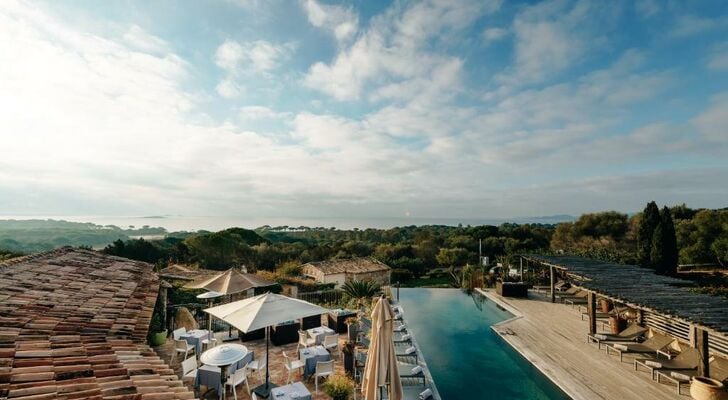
[185, 272]
[73, 324]
[352, 265]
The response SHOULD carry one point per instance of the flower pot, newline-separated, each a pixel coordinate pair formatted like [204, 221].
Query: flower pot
[158, 338]
[702, 388]
[604, 305]
[617, 324]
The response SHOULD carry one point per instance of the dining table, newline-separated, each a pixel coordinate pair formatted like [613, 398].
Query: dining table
[195, 337]
[319, 333]
[209, 375]
[310, 356]
[293, 391]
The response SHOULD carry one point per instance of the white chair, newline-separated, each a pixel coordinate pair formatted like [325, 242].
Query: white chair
[189, 369]
[236, 379]
[181, 346]
[292, 366]
[323, 369]
[304, 340]
[331, 343]
[257, 366]
[253, 396]
[177, 333]
[210, 342]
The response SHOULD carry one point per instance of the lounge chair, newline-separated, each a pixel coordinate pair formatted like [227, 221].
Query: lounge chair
[632, 333]
[579, 298]
[718, 371]
[409, 371]
[651, 345]
[686, 360]
[401, 337]
[409, 352]
[416, 393]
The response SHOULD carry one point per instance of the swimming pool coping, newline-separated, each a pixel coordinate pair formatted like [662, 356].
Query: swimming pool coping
[421, 357]
[518, 315]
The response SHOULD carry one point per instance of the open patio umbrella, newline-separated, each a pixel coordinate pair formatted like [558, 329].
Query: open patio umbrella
[228, 283]
[223, 356]
[209, 296]
[381, 365]
[264, 311]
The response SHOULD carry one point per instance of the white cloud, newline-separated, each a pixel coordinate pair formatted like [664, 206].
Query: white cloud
[341, 21]
[647, 8]
[229, 88]
[143, 41]
[690, 25]
[713, 122]
[718, 57]
[494, 34]
[252, 113]
[260, 56]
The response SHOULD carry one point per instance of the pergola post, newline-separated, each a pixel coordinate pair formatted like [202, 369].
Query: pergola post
[553, 293]
[521, 270]
[591, 306]
[701, 344]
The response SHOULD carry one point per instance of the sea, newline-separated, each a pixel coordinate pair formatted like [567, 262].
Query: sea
[176, 223]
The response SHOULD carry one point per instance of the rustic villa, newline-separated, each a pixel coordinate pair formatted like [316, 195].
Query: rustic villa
[341, 271]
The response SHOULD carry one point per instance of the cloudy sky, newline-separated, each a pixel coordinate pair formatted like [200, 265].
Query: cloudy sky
[364, 108]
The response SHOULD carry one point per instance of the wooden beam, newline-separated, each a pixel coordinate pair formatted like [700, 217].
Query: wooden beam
[701, 344]
[553, 294]
[591, 305]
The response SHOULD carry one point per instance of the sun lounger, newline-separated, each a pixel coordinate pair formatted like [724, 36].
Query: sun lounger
[416, 393]
[411, 372]
[402, 337]
[718, 371]
[686, 360]
[651, 345]
[632, 333]
[410, 352]
[579, 298]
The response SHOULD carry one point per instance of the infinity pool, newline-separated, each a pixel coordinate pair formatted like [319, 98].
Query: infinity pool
[466, 358]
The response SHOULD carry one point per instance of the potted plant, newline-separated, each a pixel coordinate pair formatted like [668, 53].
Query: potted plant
[703, 388]
[157, 333]
[339, 387]
[604, 305]
[348, 351]
[352, 328]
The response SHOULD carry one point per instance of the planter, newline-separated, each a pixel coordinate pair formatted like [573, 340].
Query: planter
[617, 324]
[702, 388]
[353, 330]
[604, 305]
[158, 338]
[512, 289]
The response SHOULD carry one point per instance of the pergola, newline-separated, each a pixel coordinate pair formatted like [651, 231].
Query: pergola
[700, 318]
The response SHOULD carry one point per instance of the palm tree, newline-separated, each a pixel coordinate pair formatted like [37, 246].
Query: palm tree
[361, 289]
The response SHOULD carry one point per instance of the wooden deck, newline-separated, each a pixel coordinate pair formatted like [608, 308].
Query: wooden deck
[553, 338]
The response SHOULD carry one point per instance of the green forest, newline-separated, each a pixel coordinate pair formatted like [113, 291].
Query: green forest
[654, 237]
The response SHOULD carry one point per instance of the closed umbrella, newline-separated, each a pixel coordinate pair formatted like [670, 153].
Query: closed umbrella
[224, 356]
[381, 366]
[264, 311]
[209, 296]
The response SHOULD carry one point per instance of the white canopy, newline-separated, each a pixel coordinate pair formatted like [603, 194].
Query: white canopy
[209, 295]
[224, 354]
[264, 310]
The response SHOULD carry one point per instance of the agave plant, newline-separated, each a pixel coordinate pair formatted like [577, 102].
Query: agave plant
[361, 289]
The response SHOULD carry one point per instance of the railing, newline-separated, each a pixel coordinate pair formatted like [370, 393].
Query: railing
[717, 343]
[322, 297]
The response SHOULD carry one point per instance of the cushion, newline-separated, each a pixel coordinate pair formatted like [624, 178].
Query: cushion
[410, 350]
[621, 347]
[416, 370]
[426, 394]
[679, 376]
[600, 336]
[653, 364]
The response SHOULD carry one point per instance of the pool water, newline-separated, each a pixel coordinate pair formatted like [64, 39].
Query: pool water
[466, 358]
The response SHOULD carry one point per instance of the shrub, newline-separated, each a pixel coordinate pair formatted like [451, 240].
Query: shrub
[339, 387]
[401, 275]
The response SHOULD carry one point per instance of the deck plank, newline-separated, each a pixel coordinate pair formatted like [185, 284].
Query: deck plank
[553, 338]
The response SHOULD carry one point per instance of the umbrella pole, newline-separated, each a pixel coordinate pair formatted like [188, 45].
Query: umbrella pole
[267, 377]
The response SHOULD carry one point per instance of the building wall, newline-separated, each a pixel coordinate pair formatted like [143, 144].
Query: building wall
[381, 277]
[338, 279]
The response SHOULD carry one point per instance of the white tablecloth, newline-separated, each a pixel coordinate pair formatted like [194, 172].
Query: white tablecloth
[195, 338]
[287, 392]
[319, 333]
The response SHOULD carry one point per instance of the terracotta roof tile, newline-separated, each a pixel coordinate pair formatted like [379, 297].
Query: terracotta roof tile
[73, 324]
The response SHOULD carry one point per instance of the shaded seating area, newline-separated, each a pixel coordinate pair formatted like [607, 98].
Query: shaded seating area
[676, 334]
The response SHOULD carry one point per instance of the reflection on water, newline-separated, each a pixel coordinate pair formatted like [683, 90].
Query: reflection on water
[466, 358]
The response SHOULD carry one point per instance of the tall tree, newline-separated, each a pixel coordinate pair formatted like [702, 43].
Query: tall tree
[657, 252]
[669, 243]
[648, 224]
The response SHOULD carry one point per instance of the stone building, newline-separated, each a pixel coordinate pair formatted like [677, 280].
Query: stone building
[341, 271]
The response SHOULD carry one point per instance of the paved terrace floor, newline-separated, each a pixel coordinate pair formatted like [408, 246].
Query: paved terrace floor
[553, 338]
[278, 372]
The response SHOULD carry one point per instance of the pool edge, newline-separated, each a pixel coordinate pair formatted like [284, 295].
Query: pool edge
[503, 336]
[423, 362]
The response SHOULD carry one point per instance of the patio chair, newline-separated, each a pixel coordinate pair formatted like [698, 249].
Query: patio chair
[686, 360]
[304, 340]
[579, 298]
[257, 366]
[292, 366]
[189, 369]
[323, 369]
[331, 343]
[177, 333]
[651, 345]
[718, 371]
[236, 379]
[181, 346]
[632, 333]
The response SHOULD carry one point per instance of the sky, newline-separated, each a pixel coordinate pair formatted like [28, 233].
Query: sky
[366, 109]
